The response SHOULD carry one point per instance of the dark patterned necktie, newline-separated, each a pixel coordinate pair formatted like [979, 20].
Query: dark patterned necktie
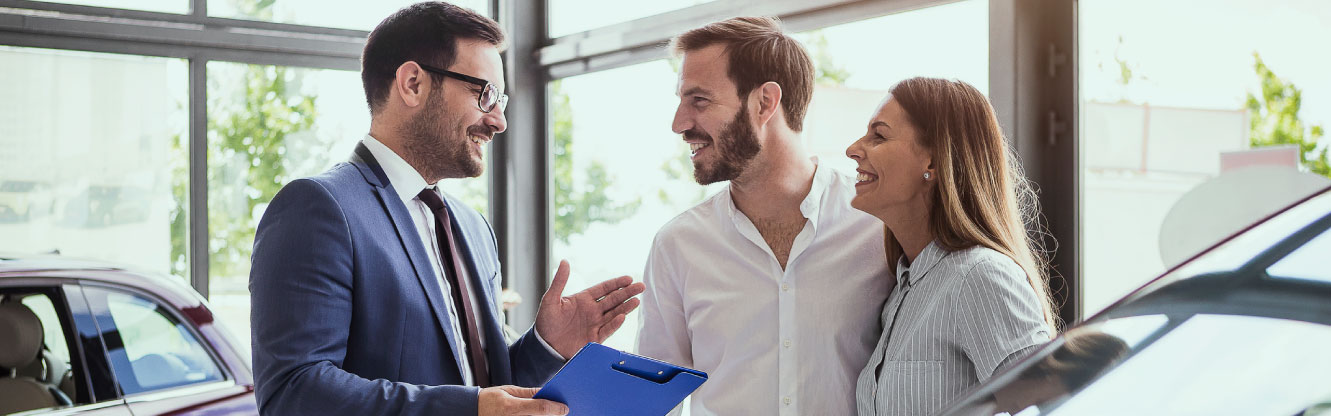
[452, 262]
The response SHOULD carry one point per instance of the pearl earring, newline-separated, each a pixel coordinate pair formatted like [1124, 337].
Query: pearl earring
[926, 176]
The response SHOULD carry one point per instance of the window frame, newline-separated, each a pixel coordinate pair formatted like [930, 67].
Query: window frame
[1032, 86]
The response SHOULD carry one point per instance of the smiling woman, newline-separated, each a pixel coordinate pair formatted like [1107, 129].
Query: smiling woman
[935, 168]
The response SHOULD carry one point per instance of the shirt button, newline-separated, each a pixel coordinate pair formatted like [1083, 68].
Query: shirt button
[787, 343]
[786, 400]
[785, 288]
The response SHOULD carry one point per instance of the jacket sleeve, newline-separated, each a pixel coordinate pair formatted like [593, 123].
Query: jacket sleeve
[301, 299]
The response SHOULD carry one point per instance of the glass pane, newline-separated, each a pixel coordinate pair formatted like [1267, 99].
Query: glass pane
[362, 15]
[612, 192]
[164, 6]
[1171, 105]
[268, 125]
[1064, 367]
[93, 156]
[858, 62]
[161, 352]
[53, 331]
[571, 16]
[53, 366]
[1308, 262]
[1216, 364]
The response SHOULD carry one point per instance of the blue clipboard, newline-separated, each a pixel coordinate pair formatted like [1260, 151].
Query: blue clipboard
[603, 381]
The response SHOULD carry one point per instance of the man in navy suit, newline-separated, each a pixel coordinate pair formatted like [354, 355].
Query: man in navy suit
[375, 293]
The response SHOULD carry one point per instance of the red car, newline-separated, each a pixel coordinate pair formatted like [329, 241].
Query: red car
[90, 338]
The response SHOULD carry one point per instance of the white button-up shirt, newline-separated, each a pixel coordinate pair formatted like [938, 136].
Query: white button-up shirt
[408, 183]
[773, 341]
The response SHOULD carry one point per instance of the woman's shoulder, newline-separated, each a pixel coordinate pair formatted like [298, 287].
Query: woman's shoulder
[983, 262]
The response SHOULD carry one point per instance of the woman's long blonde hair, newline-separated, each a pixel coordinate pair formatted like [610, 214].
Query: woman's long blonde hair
[982, 197]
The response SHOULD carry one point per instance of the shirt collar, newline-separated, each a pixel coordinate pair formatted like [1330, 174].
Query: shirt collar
[910, 275]
[812, 204]
[403, 178]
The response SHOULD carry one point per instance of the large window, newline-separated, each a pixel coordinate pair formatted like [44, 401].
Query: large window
[620, 173]
[95, 148]
[92, 156]
[268, 125]
[856, 63]
[1173, 106]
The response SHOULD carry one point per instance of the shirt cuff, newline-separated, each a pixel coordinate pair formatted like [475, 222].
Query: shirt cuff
[547, 346]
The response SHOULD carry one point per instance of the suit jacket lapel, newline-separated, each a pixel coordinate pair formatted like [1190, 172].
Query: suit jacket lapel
[411, 242]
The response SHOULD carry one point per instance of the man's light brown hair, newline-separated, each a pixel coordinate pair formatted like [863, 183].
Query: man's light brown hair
[757, 52]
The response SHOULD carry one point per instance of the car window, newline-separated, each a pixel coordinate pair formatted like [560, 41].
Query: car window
[1063, 366]
[51, 371]
[1206, 365]
[1193, 368]
[155, 351]
[1309, 262]
[54, 332]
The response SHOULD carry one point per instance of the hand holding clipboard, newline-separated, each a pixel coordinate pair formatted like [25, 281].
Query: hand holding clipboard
[600, 380]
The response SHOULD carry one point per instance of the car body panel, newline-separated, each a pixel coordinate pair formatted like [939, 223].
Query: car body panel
[233, 396]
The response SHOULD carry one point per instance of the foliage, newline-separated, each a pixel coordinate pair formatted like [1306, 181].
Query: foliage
[578, 207]
[179, 262]
[826, 72]
[248, 154]
[246, 158]
[1274, 118]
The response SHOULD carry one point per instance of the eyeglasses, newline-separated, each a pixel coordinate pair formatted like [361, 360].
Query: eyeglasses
[490, 96]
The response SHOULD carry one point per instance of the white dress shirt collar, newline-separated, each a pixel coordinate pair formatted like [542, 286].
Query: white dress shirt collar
[406, 181]
[781, 341]
[812, 204]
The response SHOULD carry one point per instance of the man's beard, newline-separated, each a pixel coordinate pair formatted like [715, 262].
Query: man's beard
[433, 148]
[738, 145]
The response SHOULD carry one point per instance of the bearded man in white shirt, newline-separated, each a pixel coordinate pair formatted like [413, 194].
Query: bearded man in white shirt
[773, 286]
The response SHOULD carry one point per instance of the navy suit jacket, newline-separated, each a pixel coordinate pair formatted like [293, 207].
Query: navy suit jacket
[348, 317]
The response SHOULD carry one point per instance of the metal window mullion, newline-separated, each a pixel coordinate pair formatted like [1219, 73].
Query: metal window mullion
[199, 8]
[198, 175]
[521, 176]
[1024, 35]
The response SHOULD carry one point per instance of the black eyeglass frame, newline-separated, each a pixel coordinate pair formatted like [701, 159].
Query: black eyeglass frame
[501, 100]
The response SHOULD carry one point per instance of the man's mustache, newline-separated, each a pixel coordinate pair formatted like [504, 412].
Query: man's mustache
[693, 134]
[481, 131]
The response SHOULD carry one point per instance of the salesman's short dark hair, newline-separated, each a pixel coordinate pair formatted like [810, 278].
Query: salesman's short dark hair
[427, 33]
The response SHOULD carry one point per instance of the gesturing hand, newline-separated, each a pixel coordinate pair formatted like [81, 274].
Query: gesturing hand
[569, 322]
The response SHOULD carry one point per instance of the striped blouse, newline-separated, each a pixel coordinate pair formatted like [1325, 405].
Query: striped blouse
[952, 321]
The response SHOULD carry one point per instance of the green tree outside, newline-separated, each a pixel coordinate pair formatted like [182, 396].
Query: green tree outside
[1275, 119]
[247, 154]
[578, 207]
